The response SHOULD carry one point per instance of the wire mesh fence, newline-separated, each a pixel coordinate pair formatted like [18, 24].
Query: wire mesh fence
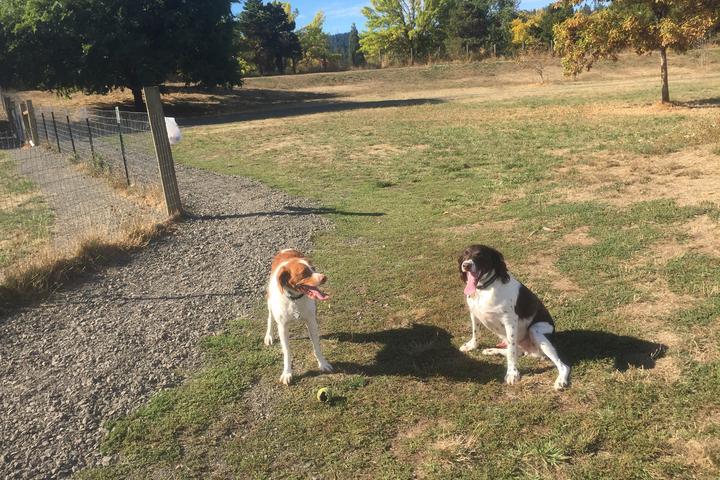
[117, 143]
[92, 174]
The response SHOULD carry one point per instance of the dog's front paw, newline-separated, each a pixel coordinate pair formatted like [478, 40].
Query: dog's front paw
[325, 367]
[469, 345]
[286, 378]
[268, 340]
[512, 377]
[563, 379]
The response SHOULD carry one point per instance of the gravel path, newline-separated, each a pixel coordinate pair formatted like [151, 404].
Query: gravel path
[101, 348]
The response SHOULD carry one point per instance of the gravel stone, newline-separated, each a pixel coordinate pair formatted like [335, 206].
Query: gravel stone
[98, 349]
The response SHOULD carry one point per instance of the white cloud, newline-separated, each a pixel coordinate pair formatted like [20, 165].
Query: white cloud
[344, 12]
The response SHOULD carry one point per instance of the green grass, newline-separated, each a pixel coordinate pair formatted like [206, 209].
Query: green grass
[410, 187]
[25, 218]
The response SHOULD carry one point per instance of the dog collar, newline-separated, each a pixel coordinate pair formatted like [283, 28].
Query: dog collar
[293, 297]
[487, 283]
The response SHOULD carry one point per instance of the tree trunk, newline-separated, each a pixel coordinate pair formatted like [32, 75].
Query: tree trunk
[664, 75]
[412, 56]
[138, 98]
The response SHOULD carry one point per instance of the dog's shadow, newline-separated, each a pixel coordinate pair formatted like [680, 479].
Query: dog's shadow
[575, 346]
[426, 351]
[420, 351]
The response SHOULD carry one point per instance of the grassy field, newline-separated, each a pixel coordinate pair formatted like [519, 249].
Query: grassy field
[25, 218]
[603, 202]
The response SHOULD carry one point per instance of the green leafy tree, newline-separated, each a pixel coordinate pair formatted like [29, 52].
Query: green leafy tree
[267, 35]
[502, 13]
[100, 45]
[467, 25]
[479, 25]
[315, 43]
[643, 25]
[404, 29]
[355, 55]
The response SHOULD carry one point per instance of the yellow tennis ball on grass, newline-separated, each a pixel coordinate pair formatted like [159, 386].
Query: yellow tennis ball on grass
[324, 395]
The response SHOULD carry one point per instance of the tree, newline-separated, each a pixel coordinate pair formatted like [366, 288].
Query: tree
[355, 55]
[315, 43]
[643, 25]
[402, 28]
[502, 13]
[268, 35]
[467, 25]
[100, 45]
[535, 29]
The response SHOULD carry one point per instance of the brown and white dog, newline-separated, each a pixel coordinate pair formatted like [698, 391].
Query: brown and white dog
[292, 293]
[509, 309]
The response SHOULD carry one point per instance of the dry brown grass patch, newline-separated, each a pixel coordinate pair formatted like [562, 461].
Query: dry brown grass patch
[498, 225]
[689, 177]
[579, 237]
[540, 269]
[50, 267]
[703, 345]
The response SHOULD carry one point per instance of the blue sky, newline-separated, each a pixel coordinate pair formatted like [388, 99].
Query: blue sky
[341, 14]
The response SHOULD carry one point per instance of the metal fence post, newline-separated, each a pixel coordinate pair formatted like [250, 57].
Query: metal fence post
[92, 147]
[47, 137]
[122, 144]
[72, 140]
[32, 120]
[162, 150]
[57, 138]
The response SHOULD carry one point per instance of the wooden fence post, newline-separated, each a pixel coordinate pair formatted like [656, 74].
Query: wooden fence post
[18, 118]
[162, 150]
[33, 123]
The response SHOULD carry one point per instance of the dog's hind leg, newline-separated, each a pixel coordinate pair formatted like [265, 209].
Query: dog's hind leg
[312, 327]
[513, 374]
[538, 334]
[268, 332]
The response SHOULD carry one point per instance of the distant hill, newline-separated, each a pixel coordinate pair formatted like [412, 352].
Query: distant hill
[339, 43]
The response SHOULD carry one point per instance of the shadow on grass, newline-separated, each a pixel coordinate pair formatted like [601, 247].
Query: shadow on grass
[427, 351]
[701, 103]
[419, 351]
[579, 345]
[294, 110]
[288, 211]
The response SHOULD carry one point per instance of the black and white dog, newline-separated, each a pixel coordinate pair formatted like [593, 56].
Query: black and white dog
[508, 309]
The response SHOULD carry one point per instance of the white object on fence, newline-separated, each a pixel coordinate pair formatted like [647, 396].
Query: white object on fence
[173, 131]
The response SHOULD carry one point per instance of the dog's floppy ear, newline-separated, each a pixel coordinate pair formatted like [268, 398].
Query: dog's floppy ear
[283, 277]
[463, 276]
[498, 263]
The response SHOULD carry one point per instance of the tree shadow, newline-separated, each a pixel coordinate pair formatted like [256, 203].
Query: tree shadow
[193, 101]
[287, 211]
[700, 103]
[579, 345]
[293, 110]
[418, 351]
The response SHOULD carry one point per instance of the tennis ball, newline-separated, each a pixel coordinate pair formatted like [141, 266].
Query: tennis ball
[324, 394]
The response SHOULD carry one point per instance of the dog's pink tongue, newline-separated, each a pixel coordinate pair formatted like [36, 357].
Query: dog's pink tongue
[471, 285]
[316, 294]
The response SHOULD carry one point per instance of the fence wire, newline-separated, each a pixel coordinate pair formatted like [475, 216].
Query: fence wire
[91, 176]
